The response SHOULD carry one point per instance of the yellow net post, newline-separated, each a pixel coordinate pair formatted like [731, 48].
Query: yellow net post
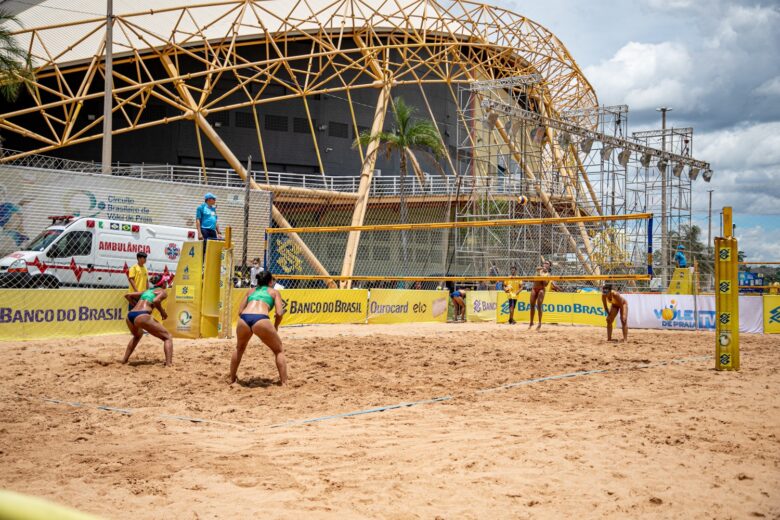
[726, 298]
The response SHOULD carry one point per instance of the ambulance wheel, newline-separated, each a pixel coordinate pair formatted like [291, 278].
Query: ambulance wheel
[48, 282]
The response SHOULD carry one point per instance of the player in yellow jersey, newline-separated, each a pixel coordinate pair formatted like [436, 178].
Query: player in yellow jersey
[614, 303]
[512, 287]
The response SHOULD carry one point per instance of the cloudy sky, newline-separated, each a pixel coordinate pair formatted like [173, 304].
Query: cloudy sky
[717, 64]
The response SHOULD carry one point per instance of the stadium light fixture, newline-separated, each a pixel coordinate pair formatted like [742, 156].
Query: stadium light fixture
[490, 121]
[645, 160]
[624, 157]
[564, 140]
[707, 175]
[606, 152]
[693, 173]
[677, 169]
[585, 145]
[662, 164]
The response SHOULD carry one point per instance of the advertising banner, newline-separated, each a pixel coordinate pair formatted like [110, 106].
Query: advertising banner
[771, 314]
[481, 305]
[315, 306]
[28, 196]
[183, 303]
[572, 308]
[406, 306]
[61, 313]
[681, 312]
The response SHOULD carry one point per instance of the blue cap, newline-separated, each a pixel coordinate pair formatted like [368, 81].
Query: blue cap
[681, 246]
[209, 196]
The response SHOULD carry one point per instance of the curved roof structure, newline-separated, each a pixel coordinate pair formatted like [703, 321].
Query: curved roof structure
[308, 46]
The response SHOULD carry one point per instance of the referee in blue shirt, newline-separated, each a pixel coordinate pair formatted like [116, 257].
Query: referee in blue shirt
[206, 220]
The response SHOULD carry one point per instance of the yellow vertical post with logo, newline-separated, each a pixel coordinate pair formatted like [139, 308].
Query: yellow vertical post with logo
[212, 278]
[726, 298]
[184, 308]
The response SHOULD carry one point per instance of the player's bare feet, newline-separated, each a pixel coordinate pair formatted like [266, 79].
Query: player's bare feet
[539, 327]
[231, 379]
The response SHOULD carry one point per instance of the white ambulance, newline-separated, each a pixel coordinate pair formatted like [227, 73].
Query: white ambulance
[92, 252]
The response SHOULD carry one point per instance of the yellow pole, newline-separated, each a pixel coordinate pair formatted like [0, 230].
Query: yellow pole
[228, 237]
[726, 298]
[727, 222]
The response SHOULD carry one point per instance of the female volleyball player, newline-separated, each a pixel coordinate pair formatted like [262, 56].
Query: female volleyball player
[458, 300]
[614, 303]
[140, 319]
[253, 319]
[538, 291]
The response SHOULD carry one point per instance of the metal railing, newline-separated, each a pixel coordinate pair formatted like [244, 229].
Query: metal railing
[383, 185]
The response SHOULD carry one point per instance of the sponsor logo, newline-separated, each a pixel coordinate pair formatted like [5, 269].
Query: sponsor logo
[10, 315]
[114, 226]
[124, 247]
[378, 308]
[172, 251]
[774, 315]
[576, 308]
[185, 318]
[126, 227]
[675, 318]
[482, 305]
[337, 306]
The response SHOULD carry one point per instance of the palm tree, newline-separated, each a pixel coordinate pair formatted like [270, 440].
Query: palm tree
[409, 137]
[15, 62]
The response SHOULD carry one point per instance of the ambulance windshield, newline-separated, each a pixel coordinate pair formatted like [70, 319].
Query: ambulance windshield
[43, 240]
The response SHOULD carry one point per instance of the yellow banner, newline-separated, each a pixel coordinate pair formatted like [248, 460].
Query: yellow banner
[316, 306]
[481, 305]
[61, 313]
[402, 306]
[183, 303]
[571, 308]
[771, 314]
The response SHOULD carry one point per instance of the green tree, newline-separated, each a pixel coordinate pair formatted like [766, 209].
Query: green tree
[410, 137]
[15, 62]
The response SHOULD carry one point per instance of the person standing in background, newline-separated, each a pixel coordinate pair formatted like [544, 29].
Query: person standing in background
[679, 257]
[206, 220]
[137, 276]
[254, 271]
[512, 288]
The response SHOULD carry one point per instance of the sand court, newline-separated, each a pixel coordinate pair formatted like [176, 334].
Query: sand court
[504, 423]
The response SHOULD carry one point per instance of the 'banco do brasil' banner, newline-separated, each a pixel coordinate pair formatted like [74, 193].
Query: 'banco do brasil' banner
[573, 308]
[481, 305]
[61, 313]
[771, 314]
[316, 306]
[406, 306]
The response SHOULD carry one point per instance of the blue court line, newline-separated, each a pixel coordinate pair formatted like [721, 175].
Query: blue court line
[380, 409]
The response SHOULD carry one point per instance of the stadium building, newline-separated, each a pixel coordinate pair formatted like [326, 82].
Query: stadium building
[291, 84]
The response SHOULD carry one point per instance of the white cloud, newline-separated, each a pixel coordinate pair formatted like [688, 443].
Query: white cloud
[770, 87]
[759, 244]
[646, 75]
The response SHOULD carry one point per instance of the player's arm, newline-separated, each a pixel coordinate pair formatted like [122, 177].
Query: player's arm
[280, 308]
[130, 276]
[132, 297]
[197, 222]
[243, 303]
[157, 303]
[604, 302]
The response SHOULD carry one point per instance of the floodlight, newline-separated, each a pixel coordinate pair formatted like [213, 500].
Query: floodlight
[693, 173]
[645, 160]
[586, 144]
[564, 140]
[606, 152]
[490, 120]
[707, 175]
[677, 169]
[662, 164]
[624, 157]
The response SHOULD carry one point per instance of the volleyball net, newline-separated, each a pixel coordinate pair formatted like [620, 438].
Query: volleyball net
[583, 251]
